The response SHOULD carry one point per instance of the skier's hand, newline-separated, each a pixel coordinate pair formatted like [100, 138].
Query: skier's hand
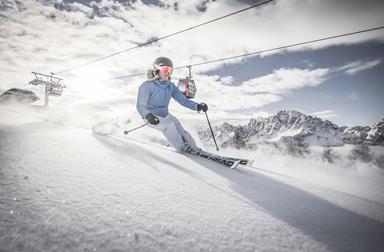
[202, 106]
[152, 119]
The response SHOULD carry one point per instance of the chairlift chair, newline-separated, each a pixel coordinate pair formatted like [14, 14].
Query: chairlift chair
[56, 89]
[187, 85]
[53, 84]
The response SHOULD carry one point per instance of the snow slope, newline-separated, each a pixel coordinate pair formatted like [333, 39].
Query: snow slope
[63, 188]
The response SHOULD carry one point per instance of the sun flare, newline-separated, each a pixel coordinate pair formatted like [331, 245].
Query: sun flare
[91, 83]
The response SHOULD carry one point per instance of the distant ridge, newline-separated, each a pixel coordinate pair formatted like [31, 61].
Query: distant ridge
[291, 126]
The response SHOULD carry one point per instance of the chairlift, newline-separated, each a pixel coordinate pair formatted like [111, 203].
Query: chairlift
[56, 89]
[187, 85]
[35, 82]
[53, 84]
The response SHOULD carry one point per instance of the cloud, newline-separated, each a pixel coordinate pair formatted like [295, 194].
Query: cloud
[353, 96]
[309, 63]
[326, 114]
[227, 98]
[52, 35]
[358, 66]
[227, 80]
[67, 29]
[283, 81]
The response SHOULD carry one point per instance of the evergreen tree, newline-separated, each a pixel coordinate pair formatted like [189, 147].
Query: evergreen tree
[379, 161]
[298, 147]
[291, 149]
[238, 141]
[302, 147]
[361, 152]
[329, 154]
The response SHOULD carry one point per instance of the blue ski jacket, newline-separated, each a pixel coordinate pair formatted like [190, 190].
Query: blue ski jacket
[154, 97]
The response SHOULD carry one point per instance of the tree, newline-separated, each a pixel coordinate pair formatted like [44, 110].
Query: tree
[379, 161]
[329, 154]
[238, 141]
[303, 147]
[298, 147]
[291, 150]
[361, 152]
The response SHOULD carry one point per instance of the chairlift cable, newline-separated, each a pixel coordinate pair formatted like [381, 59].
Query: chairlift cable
[164, 37]
[264, 51]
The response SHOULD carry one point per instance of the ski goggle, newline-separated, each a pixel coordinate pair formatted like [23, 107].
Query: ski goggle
[164, 69]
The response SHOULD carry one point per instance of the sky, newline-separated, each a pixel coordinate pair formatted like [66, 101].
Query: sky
[339, 80]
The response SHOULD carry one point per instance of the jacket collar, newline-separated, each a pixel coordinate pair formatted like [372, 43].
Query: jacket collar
[163, 83]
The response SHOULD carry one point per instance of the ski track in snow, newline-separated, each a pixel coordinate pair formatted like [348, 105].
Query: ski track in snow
[63, 188]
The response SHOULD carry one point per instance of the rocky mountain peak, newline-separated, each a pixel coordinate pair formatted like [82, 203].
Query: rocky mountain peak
[376, 134]
[287, 126]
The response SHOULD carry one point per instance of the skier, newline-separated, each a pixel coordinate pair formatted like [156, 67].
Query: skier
[153, 100]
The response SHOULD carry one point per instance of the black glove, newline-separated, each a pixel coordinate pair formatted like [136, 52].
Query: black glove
[202, 106]
[152, 119]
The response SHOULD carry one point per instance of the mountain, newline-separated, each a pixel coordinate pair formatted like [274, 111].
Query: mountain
[376, 134]
[287, 127]
[18, 95]
[355, 135]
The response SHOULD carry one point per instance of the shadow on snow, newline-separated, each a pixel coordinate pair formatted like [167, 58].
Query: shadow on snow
[337, 228]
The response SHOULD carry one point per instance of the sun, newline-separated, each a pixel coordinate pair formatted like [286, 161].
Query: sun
[91, 83]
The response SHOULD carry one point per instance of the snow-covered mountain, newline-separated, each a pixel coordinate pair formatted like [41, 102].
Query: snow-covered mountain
[290, 127]
[18, 95]
[376, 134]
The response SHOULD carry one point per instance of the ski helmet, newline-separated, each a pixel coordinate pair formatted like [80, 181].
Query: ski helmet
[162, 61]
[163, 65]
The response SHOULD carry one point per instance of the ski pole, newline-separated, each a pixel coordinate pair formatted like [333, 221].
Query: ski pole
[210, 127]
[127, 131]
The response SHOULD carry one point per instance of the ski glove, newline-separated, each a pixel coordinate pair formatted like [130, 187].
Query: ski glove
[202, 106]
[152, 119]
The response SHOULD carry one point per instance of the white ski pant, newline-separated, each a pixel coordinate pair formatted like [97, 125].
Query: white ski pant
[175, 134]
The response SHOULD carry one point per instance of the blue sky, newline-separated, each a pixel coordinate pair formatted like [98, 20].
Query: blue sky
[348, 99]
[340, 80]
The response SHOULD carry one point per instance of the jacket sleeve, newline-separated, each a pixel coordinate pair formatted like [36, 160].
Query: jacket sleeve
[142, 99]
[182, 99]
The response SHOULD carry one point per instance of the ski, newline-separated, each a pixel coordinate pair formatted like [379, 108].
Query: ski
[226, 161]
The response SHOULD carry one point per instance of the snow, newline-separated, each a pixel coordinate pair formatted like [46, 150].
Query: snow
[64, 188]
